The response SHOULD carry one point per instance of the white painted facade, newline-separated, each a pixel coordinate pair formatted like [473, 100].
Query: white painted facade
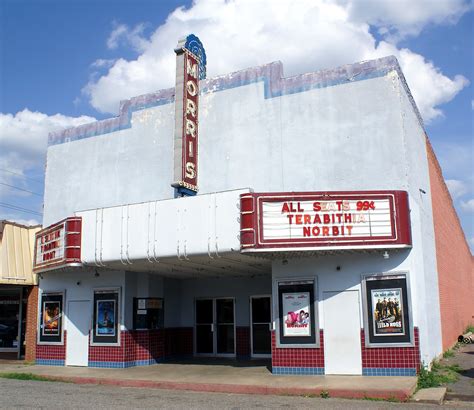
[354, 134]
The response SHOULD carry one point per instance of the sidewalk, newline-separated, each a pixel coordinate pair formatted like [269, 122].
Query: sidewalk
[228, 378]
[463, 389]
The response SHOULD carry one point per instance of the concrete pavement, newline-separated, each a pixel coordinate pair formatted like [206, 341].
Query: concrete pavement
[228, 377]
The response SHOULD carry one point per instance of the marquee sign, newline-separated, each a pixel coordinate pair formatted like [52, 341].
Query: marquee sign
[59, 245]
[190, 68]
[324, 219]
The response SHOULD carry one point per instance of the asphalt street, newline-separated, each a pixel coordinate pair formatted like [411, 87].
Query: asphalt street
[55, 395]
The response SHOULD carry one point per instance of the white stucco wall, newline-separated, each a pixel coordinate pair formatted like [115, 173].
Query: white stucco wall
[344, 137]
[80, 286]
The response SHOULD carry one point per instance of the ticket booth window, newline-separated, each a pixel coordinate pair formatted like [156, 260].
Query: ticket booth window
[148, 313]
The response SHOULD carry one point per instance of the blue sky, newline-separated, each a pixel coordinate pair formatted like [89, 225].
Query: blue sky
[66, 62]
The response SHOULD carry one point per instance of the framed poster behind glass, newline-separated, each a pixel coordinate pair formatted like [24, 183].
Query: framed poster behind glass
[387, 310]
[51, 318]
[106, 325]
[297, 320]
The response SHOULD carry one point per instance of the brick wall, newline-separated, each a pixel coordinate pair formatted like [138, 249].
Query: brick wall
[242, 341]
[390, 361]
[453, 257]
[52, 355]
[298, 361]
[179, 341]
[31, 324]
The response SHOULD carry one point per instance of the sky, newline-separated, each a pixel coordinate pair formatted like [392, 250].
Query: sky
[68, 62]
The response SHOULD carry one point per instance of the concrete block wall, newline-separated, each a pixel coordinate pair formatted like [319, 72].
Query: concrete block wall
[453, 257]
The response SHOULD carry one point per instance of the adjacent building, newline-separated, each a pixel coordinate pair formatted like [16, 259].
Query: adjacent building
[18, 291]
[302, 219]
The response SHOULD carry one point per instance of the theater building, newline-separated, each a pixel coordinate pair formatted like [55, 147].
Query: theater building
[301, 219]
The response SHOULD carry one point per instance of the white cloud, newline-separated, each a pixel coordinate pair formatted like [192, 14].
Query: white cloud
[306, 35]
[468, 206]
[24, 136]
[103, 63]
[401, 18]
[122, 34]
[457, 188]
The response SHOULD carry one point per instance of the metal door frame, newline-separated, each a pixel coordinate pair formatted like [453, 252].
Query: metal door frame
[270, 326]
[214, 328]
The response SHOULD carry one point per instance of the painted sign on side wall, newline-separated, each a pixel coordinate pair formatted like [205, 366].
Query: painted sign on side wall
[330, 219]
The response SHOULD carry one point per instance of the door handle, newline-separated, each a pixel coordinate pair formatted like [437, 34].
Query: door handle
[270, 326]
[212, 327]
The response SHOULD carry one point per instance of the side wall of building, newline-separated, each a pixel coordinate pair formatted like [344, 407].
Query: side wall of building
[453, 257]
[424, 277]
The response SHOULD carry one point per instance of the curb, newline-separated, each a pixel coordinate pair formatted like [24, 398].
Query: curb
[397, 395]
[433, 395]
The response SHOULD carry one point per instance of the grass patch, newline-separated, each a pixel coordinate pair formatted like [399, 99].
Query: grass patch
[439, 375]
[470, 328]
[25, 376]
[391, 399]
[324, 394]
[448, 353]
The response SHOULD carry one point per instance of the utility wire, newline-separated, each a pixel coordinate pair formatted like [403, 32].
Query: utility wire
[19, 208]
[20, 189]
[20, 175]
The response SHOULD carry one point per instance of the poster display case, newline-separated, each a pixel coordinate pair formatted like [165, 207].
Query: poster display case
[297, 313]
[106, 321]
[387, 310]
[51, 318]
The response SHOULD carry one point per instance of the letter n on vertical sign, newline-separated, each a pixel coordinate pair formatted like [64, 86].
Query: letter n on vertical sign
[186, 122]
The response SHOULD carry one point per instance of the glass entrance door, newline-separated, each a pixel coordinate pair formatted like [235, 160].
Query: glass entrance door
[225, 337]
[215, 327]
[261, 317]
[205, 326]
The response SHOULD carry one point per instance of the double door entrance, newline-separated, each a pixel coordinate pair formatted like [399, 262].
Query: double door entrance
[215, 327]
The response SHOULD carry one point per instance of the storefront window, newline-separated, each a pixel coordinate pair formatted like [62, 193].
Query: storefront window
[387, 310]
[9, 318]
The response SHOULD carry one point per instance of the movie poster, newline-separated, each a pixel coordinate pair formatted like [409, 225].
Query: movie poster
[388, 318]
[387, 312]
[296, 311]
[51, 318]
[105, 323]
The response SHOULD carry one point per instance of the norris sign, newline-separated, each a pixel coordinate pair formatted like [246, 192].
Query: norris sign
[190, 68]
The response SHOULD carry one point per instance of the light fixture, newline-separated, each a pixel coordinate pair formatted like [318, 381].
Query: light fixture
[284, 262]
[96, 274]
[386, 255]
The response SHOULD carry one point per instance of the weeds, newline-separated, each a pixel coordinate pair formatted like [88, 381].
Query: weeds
[25, 376]
[324, 394]
[439, 375]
